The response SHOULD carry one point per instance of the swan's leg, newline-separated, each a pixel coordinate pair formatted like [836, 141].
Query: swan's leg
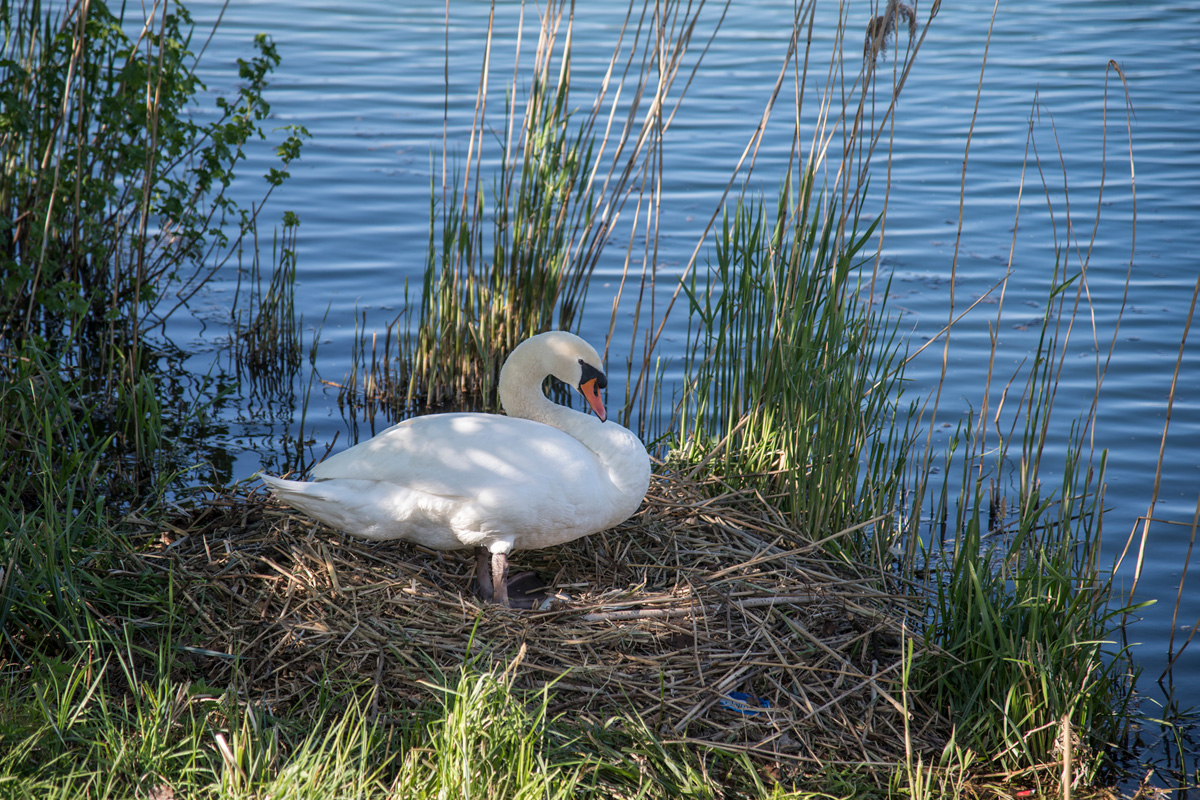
[500, 578]
[483, 573]
[526, 587]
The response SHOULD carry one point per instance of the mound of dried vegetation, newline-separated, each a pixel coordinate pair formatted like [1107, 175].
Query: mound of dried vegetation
[699, 615]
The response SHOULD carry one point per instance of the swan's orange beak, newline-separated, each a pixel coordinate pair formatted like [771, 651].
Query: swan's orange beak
[591, 393]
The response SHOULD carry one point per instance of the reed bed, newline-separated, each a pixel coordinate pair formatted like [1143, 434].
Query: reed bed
[500, 270]
[695, 617]
[266, 340]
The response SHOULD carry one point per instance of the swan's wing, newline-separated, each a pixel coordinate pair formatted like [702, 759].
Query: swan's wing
[466, 456]
[455, 480]
[378, 511]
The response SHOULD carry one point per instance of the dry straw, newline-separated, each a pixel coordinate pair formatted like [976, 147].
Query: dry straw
[699, 615]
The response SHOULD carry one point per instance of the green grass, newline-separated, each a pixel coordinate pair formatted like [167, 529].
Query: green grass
[62, 465]
[125, 723]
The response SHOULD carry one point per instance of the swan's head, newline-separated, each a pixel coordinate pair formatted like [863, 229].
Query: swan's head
[558, 353]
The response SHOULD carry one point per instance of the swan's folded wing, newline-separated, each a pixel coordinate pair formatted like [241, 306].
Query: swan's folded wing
[464, 455]
[378, 511]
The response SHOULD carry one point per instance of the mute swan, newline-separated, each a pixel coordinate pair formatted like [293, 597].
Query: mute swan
[543, 475]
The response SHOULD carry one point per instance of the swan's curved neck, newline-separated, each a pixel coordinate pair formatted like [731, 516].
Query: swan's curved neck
[521, 393]
[619, 452]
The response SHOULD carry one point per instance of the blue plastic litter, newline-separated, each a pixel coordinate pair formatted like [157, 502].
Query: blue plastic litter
[745, 703]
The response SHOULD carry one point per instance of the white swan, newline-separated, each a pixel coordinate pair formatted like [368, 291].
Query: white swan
[543, 475]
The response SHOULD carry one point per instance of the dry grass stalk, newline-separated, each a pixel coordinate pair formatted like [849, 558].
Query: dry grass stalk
[694, 598]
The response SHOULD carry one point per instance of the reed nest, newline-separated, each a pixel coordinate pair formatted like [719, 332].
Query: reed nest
[701, 615]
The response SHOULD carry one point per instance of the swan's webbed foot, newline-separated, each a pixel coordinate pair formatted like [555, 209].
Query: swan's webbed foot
[524, 590]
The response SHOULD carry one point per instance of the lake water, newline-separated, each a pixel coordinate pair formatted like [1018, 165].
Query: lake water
[367, 82]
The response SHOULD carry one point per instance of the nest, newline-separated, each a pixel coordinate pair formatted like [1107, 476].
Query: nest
[700, 615]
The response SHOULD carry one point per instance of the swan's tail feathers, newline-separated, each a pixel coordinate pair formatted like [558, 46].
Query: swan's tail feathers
[310, 497]
[284, 490]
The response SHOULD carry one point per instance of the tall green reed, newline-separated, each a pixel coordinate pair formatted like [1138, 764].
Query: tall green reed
[267, 332]
[794, 388]
[1023, 635]
[791, 386]
[501, 270]
[1025, 654]
[794, 372]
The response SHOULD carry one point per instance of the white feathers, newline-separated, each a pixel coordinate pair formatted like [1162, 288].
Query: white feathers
[449, 481]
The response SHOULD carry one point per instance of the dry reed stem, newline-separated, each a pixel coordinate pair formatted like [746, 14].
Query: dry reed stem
[694, 598]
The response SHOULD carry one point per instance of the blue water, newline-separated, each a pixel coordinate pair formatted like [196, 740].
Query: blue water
[368, 83]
